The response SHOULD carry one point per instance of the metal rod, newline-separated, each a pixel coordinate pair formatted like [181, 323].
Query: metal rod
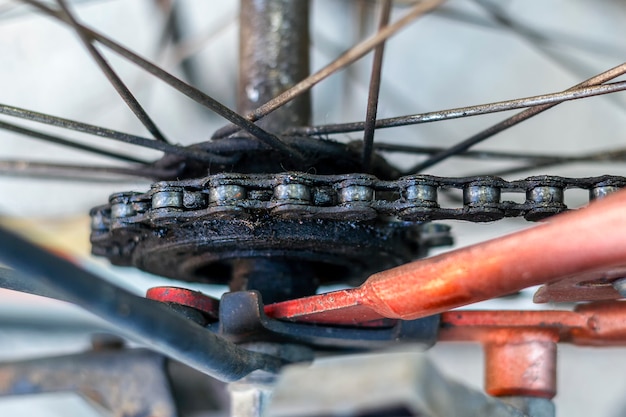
[144, 320]
[350, 56]
[273, 57]
[598, 323]
[184, 88]
[111, 134]
[112, 76]
[513, 120]
[374, 89]
[550, 99]
[11, 280]
[612, 155]
[87, 173]
[68, 143]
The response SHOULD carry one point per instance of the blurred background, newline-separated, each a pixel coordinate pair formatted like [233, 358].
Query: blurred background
[466, 52]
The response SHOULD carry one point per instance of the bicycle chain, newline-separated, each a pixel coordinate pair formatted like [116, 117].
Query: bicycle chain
[352, 197]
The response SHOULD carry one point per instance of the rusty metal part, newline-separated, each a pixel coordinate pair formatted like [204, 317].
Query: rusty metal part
[205, 250]
[520, 346]
[188, 298]
[521, 363]
[588, 239]
[127, 383]
[274, 56]
[197, 229]
[106, 342]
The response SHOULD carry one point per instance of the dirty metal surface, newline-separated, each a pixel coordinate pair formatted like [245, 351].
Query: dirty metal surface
[245, 155]
[349, 197]
[273, 57]
[242, 319]
[127, 383]
[347, 226]
[205, 250]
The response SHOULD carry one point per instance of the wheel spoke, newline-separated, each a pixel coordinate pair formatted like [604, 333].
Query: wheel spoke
[512, 121]
[67, 143]
[347, 58]
[473, 154]
[374, 89]
[461, 112]
[184, 88]
[112, 76]
[81, 173]
[111, 134]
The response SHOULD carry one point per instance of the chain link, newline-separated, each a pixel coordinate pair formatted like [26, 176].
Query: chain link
[352, 197]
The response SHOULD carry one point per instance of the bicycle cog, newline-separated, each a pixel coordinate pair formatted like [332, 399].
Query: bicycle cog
[217, 231]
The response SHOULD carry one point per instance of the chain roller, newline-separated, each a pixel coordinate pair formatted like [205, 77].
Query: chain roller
[353, 197]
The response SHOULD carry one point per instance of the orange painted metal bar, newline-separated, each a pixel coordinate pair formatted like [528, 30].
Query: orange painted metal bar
[522, 363]
[601, 323]
[568, 244]
[520, 346]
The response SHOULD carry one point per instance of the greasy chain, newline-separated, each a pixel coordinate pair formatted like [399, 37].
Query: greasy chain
[351, 197]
